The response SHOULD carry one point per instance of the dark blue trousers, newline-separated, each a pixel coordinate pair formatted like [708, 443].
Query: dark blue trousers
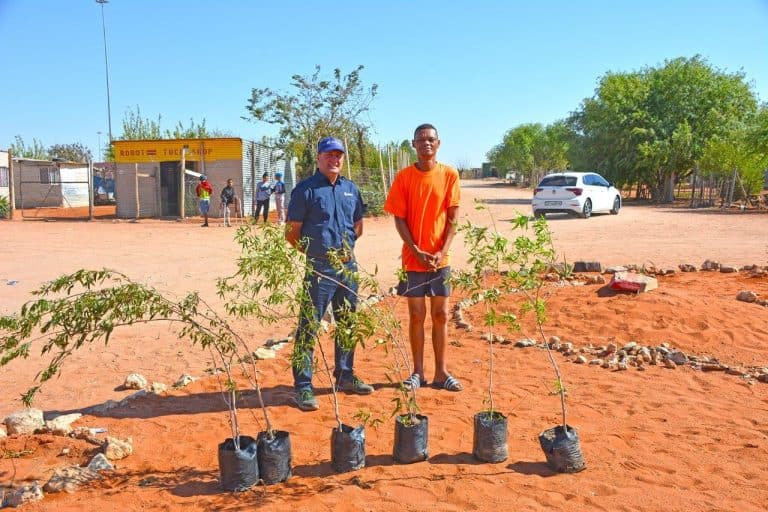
[324, 289]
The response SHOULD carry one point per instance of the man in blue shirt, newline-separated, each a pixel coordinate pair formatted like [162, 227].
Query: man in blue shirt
[325, 216]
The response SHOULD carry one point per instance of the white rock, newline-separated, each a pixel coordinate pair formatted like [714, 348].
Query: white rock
[580, 360]
[263, 353]
[159, 388]
[184, 381]
[135, 381]
[62, 425]
[598, 362]
[24, 422]
[69, 479]
[116, 449]
[3, 433]
[629, 346]
[24, 494]
[100, 463]
[525, 342]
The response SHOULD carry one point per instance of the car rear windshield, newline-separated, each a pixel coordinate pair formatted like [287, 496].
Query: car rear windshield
[558, 181]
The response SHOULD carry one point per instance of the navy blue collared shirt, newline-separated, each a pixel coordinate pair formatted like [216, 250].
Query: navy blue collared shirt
[327, 213]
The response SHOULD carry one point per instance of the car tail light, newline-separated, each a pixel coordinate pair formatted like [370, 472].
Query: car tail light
[537, 190]
[576, 191]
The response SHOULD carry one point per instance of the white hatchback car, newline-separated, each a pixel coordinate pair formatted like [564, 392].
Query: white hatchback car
[580, 193]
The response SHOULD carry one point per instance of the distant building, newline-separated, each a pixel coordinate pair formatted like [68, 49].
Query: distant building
[5, 175]
[50, 184]
[148, 173]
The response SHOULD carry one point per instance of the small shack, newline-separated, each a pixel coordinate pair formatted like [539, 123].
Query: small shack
[149, 183]
[50, 184]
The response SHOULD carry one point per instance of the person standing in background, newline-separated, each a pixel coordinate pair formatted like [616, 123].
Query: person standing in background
[228, 198]
[203, 192]
[263, 191]
[279, 190]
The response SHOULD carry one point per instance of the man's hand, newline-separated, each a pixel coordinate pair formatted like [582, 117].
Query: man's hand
[427, 259]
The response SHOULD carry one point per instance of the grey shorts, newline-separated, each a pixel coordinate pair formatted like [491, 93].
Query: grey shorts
[426, 284]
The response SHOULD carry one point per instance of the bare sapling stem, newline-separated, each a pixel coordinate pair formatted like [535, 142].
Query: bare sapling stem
[560, 387]
[333, 384]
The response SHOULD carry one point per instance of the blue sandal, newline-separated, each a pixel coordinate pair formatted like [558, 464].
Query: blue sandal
[451, 383]
[414, 382]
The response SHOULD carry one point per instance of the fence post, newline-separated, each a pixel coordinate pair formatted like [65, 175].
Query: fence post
[136, 169]
[381, 169]
[693, 185]
[182, 183]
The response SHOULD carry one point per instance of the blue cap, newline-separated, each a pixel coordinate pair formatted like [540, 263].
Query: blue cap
[278, 174]
[330, 144]
[202, 177]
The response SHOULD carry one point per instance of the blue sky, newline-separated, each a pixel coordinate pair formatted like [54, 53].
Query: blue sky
[473, 68]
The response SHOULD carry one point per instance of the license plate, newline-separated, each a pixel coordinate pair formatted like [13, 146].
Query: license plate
[553, 203]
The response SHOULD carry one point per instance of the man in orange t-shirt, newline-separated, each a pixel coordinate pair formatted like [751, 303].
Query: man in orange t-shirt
[424, 199]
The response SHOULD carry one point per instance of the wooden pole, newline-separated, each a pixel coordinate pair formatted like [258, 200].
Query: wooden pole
[349, 169]
[136, 169]
[182, 182]
[11, 186]
[693, 186]
[381, 169]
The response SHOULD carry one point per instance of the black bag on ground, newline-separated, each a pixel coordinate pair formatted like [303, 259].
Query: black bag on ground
[562, 449]
[274, 457]
[411, 439]
[490, 439]
[238, 469]
[348, 448]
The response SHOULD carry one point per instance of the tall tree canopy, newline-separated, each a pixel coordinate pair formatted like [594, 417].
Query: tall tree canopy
[651, 127]
[530, 149]
[315, 107]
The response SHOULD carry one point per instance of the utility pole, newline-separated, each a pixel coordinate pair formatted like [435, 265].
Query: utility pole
[106, 65]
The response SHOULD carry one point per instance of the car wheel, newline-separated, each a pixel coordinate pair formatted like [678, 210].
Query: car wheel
[586, 211]
[538, 214]
[616, 206]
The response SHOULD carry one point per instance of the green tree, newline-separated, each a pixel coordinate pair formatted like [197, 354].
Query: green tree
[76, 152]
[36, 150]
[530, 149]
[650, 127]
[314, 108]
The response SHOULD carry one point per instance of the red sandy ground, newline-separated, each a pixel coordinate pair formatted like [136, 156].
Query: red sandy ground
[654, 440]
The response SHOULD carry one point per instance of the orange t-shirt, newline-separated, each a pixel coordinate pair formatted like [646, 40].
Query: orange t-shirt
[423, 199]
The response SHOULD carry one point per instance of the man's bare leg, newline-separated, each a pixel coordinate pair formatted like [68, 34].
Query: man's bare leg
[417, 313]
[439, 312]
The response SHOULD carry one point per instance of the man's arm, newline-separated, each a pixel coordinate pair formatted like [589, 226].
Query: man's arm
[358, 229]
[293, 234]
[424, 257]
[449, 234]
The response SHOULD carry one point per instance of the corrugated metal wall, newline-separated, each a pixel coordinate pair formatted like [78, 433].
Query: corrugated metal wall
[257, 160]
[125, 183]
